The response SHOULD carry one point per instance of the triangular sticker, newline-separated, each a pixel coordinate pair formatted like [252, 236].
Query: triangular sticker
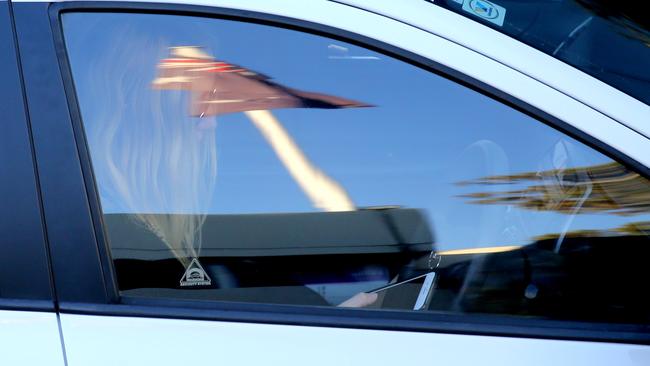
[195, 275]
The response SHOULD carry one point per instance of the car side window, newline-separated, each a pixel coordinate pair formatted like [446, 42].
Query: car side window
[251, 163]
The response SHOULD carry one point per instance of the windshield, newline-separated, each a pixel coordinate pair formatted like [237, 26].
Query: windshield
[607, 39]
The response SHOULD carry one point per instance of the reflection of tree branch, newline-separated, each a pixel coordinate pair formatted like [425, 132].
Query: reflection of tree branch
[632, 228]
[614, 189]
[635, 228]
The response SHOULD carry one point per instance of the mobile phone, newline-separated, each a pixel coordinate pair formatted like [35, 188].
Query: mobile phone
[391, 285]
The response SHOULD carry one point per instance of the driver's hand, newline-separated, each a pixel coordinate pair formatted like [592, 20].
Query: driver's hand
[359, 300]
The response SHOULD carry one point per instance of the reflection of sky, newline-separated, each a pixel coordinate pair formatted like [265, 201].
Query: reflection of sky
[425, 133]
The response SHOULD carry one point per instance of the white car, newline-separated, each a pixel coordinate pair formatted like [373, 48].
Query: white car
[319, 182]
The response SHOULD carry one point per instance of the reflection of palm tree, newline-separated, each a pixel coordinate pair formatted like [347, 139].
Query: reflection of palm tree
[630, 229]
[614, 189]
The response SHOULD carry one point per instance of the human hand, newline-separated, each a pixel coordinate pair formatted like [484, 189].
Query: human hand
[359, 300]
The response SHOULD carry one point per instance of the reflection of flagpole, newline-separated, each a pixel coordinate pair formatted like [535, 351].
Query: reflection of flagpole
[324, 192]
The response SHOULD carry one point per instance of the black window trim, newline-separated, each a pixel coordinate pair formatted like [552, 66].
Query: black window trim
[40, 294]
[27, 305]
[74, 257]
[495, 325]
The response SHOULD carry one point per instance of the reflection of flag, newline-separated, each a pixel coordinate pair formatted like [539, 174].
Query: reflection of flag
[218, 87]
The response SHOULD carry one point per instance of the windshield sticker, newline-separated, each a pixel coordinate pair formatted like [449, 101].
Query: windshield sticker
[195, 275]
[489, 11]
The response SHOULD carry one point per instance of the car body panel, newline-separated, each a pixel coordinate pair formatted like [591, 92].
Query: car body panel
[96, 339]
[30, 338]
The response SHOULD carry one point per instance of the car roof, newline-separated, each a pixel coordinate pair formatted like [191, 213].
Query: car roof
[511, 52]
[606, 40]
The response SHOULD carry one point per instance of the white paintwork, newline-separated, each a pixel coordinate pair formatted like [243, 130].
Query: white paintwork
[29, 338]
[481, 67]
[99, 341]
[517, 55]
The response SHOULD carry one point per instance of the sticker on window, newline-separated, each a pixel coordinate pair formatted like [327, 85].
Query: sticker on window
[489, 11]
[195, 275]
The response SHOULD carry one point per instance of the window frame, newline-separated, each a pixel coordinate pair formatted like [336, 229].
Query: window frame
[116, 305]
[24, 244]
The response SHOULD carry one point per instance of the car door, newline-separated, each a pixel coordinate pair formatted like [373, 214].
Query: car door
[29, 331]
[321, 184]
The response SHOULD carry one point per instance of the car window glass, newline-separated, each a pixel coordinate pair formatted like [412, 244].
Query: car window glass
[245, 162]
